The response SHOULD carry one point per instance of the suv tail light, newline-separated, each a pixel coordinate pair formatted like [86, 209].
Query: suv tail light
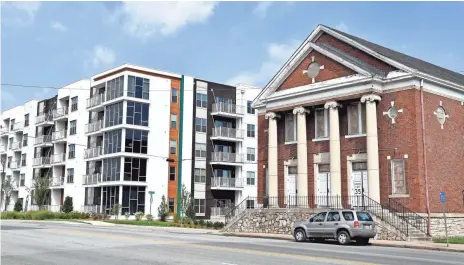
[356, 224]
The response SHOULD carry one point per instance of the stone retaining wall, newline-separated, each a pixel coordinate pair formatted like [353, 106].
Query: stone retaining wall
[455, 226]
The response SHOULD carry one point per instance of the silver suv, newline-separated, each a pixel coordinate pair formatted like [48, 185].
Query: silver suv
[342, 225]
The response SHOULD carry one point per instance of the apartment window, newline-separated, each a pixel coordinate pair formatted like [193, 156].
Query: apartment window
[12, 124]
[200, 150]
[110, 197]
[199, 205]
[173, 147]
[136, 141]
[356, 119]
[72, 126]
[10, 143]
[133, 199]
[74, 104]
[171, 205]
[223, 100]
[174, 95]
[137, 113]
[111, 169]
[25, 137]
[225, 124]
[251, 130]
[113, 114]
[172, 173]
[200, 175]
[222, 173]
[138, 87]
[70, 178]
[250, 154]
[173, 121]
[115, 88]
[398, 176]
[290, 128]
[200, 125]
[250, 204]
[26, 120]
[72, 151]
[23, 160]
[202, 100]
[251, 178]
[22, 180]
[112, 141]
[250, 110]
[322, 123]
[135, 169]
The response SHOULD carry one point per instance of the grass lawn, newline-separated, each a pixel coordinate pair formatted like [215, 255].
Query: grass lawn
[153, 223]
[66, 220]
[451, 240]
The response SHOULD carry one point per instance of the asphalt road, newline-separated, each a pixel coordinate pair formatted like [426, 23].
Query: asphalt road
[31, 242]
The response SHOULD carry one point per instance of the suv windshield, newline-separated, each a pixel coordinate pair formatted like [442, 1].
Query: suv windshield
[363, 216]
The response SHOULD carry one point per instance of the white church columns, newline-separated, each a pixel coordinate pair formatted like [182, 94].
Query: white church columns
[302, 151]
[334, 138]
[272, 153]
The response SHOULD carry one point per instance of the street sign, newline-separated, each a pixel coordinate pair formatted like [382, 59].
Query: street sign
[442, 197]
[151, 192]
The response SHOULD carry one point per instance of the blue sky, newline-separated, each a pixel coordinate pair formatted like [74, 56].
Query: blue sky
[57, 43]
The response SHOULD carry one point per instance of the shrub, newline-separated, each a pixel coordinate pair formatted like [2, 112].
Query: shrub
[139, 216]
[18, 207]
[195, 222]
[127, 215]
[209, 224]
[67, 205]
[149, 217]
[218, 225]
[202, 223]
[177, 219]
[163, 209]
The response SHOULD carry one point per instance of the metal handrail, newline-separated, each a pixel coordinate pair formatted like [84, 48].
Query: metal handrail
[61, 112]
[93, 178]
[93, 152]
[236, 210]
[94, 126]
[228, 108]
[226, 157]
[58, 135]
[95, 100]
[414, 219]
[227, 182]
[228, 132]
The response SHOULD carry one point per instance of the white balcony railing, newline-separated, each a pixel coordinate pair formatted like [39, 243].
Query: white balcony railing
[2, 148]
[95, 100]
[92, 152]
[44, 117]
[41, 161]
[219, 211]
[94, 126]
[90, 179]
[18, 126]
[228, 108]
[3, 131]
[16, 145]
[228, 133]
[225, 182]
[15, 165]
[59, 135]
[58, 113]
[43, 139]
[226, 157]
[57, 182]
[59, 158]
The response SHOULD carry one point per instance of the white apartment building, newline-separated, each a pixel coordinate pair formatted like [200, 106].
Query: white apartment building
[140, 133]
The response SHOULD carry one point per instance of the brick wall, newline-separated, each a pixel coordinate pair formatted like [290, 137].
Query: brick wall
[263, 125]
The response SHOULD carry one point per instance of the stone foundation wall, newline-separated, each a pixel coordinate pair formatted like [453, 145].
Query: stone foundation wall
[455, 224]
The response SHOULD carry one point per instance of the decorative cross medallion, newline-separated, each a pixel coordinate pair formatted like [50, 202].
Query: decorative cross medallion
[313, 69]
[441, 114]
[392, 112]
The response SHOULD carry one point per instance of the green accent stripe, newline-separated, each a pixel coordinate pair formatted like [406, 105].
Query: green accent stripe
[179, 157]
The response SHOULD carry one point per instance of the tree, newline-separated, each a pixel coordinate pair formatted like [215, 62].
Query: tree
[8, 185]
[18, 206]
[187, 203]
[163, 209]
[41, 191]
[67, 205]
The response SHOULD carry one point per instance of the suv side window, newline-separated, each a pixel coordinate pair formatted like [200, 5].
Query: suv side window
[364, 216]
[348, 216]
[333, 217]
[320, 217]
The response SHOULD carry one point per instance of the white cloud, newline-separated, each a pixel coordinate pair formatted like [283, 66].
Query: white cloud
[58, 26]
[22, 12]
[261, 9]
[342, 27]
[277, 55]
[102, 56]
[146, 19]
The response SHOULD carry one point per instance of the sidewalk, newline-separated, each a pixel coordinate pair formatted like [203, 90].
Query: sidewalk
[180, 230]
[383, 243]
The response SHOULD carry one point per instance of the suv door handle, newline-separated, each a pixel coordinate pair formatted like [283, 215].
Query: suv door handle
[336, 224]
[320, 223]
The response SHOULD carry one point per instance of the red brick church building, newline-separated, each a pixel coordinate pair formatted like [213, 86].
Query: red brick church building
[344, 116]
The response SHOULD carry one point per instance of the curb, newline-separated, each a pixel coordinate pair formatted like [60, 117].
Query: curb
[372, 244]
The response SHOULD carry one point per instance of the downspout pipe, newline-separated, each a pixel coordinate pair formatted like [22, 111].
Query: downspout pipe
[424, 152]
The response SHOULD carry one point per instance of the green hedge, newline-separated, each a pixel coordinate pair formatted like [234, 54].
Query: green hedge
[43, 215]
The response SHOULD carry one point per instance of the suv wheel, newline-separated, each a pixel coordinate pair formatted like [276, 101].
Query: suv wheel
[343, 238]
[300, 235]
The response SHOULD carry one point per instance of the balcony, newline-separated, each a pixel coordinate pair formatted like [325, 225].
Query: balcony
[43, 140]
[94, 126]
[57, 182]
[93, 152]
[223, 158]
[17, 127]
[15, 165]
[227, 134]
[16, 146]
[60, 114]
[59, 158]
[92, 179]
[95, 102]
[2, 149]
[4, 131]
[41, 161]
[60, 136]
[44, 119]
[228, 110]
[225, 183]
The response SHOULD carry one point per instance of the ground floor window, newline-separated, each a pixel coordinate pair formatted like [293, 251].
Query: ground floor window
[92, 196]
[133, 199]
[110, 197]
[199, 205]
[171, 205]
[398, 176]
[250, 204]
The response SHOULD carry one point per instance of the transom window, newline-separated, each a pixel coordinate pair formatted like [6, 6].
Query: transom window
[356, 119]
[290, 128]
[200, 125]
[321, 123]
[137, 113]
[202, 100]
[138, 87]
[398, 176]
[200, 175]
